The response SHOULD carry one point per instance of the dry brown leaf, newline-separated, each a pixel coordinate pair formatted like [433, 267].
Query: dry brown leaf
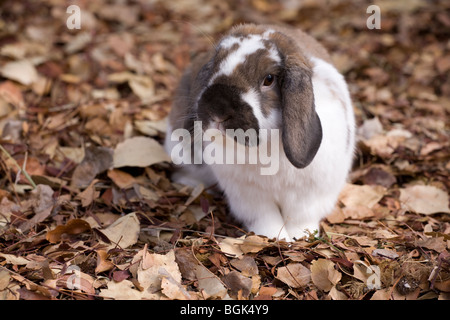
[4, 279]
[436, 244]
[382, 294]
[365, 241]
[231, 246]
[11, 93]
[139, 152]
[73, 226]
[89, 194]
[355, 195]
[246, 265]
[379, 176]
[174, 290]
[238, 284]
[96, 160]
[324, 275]
[294, 275]
[335, 294]
[368, 274]
[103, 264]
[267, 292]
[74, 279]
[22, 71]
[208, 284]
[125, 290]
[42, 202]
[443, 285]
[151, 128]
[153, 268]
[424, 199]
[253, 244]
[385, 253]
[370, 128]
[122, 179]
[357, 212]
[15, 260]
[186, 262]
[124, 232]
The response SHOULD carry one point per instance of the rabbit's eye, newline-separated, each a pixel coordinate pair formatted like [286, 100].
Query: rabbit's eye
[268, 80]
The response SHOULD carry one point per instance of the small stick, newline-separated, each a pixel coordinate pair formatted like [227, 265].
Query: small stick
[25, 173]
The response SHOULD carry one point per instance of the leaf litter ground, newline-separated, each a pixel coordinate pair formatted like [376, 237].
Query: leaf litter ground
[87, 207]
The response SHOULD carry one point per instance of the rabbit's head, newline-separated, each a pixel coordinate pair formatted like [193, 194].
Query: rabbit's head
[259, 78]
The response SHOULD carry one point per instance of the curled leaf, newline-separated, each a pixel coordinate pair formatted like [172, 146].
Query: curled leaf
[72, 227]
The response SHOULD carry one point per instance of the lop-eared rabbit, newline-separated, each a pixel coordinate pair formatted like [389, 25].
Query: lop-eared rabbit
[265, 77]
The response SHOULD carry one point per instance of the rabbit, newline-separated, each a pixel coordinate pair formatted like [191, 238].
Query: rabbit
[279, 79]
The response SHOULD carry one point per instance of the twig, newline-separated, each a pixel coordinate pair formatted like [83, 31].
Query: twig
[25, 173]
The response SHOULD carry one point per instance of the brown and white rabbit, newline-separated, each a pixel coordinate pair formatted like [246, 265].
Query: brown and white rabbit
[269, 77]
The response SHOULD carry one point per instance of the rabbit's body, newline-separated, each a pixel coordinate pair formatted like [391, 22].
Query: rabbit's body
[309, 104]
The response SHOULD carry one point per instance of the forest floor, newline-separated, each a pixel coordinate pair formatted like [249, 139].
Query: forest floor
[87, 207]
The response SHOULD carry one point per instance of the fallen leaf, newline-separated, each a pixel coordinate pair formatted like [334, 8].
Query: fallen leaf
[384, 145]
[4, 279]
[253, 244]
[76, 279]
[73, 227]
[368, 274]
[324, 275]
[209, 285]
[443, 285]
[96, 161]
[382, 294]
[267, 292]
[15, 260]
[365, 241]
[11, 93]
[355, 195]
[42, 203]
[231, 246]
[89, 194]
[236, 282]
[336, 216]
[335, 294]
[26, 294]
[246, 265]
[172, 289]
[370, 128]
[139, 152]
[121, 275]
[122, 179]
[357, 212]
[294, 275]
[385, 253]
[378, 176]
[186, 262]
[22, 71]
[436, 244]
[125, 290]
[151, 128]
[196, 192]
[424, 199]
[124, 232]
[103, 264]
[143, 87]
[159, 272]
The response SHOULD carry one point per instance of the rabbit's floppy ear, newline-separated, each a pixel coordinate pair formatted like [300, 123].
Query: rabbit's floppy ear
[192, 84]
[301, 127]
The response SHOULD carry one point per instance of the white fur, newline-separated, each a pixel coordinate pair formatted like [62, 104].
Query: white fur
[285, 204]
[269, 122]
[247, 46]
